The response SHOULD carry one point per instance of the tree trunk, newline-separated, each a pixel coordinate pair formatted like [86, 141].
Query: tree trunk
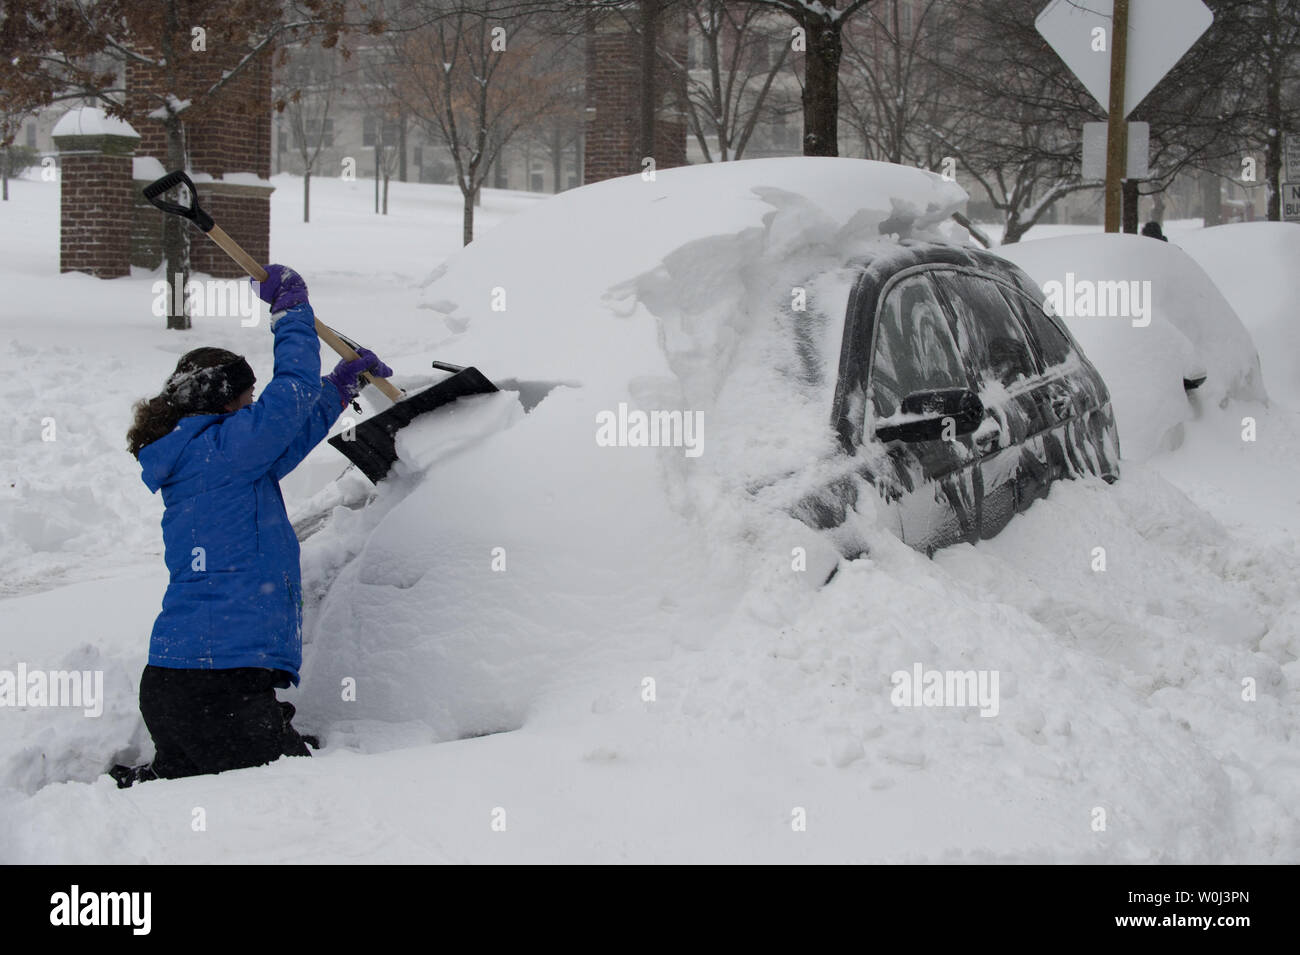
[649, 60]
[1273, 148]
[1211, 203]
[1014, 230]
[401, 145]
[821, 90]
[557, 158]
[306, 196]
[467, 232]
[176, 240]
[386, 178]
[1129, 190]
[4, 174]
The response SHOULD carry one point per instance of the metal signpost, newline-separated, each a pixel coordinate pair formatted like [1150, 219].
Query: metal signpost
[1120, 50]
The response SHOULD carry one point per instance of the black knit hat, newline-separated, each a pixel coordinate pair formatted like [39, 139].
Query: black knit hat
[208, 379]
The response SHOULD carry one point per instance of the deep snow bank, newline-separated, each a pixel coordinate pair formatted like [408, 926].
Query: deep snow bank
[1183, 324]
[711, 293]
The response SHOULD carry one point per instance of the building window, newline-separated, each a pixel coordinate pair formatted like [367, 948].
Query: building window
[314, 131]
[784, 135]
[371, 131]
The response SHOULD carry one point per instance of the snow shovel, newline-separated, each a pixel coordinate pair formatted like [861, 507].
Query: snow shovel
[370, 445]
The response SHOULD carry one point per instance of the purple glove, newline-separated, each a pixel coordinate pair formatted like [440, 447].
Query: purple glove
[283, 289]
[346, 376]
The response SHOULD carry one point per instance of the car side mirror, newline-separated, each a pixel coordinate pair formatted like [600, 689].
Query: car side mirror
[931, 415]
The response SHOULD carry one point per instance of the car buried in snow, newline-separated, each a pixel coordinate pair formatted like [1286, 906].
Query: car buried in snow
[960, 397]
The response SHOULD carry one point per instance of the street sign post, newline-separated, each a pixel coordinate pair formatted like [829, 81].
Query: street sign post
[1120, 50]
[1159, 33]
[1094, 151]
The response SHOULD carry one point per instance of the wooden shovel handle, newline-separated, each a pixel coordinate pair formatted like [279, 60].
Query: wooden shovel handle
[327, 335]
[236, 252]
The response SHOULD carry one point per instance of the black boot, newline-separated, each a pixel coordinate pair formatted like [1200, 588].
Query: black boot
[127, 775]
[291, 736]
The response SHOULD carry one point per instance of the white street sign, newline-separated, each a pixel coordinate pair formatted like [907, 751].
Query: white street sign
[1094, 151]
[1291, 152]
[1291, 201]
[1159, 33]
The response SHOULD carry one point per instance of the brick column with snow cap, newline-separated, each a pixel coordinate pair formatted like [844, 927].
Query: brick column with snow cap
[95, 186]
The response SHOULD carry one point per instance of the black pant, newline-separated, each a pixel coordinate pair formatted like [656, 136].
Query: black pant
[208, 721]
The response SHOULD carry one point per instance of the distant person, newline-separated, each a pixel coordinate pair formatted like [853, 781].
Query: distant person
[1152, 230]
[230, 630]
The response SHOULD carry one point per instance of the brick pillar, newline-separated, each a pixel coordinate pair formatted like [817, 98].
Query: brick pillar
[95, 157]
[244, 211]
[229, 150]
[612, 143]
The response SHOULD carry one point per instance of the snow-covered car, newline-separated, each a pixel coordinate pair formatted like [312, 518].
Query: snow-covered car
[1155, 324]
[575, 511]
[960, 396]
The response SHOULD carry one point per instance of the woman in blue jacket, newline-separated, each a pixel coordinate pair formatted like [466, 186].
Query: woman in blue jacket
[230, 630]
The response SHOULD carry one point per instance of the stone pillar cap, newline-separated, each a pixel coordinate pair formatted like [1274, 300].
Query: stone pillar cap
[91, 121]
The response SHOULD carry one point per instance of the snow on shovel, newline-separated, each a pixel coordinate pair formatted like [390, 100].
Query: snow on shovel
[371, 445]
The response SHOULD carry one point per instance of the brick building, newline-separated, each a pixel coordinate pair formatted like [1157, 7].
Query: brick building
[613, 144]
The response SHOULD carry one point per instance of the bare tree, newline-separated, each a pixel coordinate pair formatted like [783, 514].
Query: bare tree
[473, 79]
[892, 70]
[820, 25]
[744, 49]
[1272, 39]
[11, 120]
[1011, 114]
[310, 82]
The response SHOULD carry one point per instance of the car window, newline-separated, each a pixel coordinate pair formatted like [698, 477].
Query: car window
[1053, 345]
[987, 330]
[915, 349]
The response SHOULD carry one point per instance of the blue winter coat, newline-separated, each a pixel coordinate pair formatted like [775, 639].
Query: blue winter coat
[237, 602]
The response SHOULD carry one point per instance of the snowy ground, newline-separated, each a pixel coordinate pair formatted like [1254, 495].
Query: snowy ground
[1120, 690]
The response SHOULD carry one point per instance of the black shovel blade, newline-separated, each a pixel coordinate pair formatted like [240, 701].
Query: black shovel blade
[372, 445]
